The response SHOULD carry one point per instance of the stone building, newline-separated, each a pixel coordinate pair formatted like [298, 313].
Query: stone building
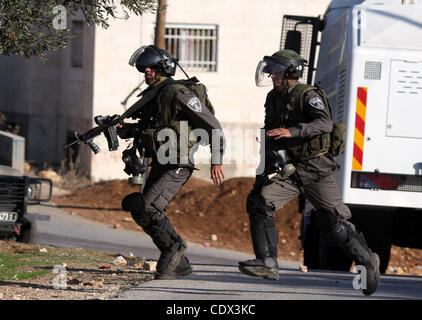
[219, 41]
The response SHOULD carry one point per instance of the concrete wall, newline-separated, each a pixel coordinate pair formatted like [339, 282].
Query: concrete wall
[47, 98]
[247, 30]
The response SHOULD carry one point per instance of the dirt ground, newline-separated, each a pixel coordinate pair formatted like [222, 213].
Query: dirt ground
[201, 212]
[212, 216]
[88, 275]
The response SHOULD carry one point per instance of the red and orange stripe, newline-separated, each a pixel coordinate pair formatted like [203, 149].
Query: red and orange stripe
[359, 128]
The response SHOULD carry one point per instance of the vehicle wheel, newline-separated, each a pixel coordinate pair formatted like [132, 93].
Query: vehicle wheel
[28, 232]
[311, 250]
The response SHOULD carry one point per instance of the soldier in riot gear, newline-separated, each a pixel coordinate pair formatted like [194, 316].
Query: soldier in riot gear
[298, 125]
[174, 102]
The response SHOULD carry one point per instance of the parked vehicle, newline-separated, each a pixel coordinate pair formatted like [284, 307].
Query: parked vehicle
[18, 191]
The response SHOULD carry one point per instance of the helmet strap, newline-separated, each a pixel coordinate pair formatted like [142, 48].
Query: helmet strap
[177, 63]
[286, 84]
[157, 79]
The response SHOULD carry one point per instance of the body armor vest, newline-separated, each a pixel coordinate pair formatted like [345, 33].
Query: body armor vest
[161, 113]
[287, 111]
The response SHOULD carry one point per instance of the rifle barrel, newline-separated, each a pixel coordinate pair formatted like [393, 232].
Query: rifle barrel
[71, 144]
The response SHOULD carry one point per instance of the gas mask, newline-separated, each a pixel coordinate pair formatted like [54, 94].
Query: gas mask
[279, 162]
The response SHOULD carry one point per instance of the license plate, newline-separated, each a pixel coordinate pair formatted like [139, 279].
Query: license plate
[8, 216]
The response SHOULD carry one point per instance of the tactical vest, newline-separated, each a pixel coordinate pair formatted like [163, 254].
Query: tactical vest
[160, 114]
[287, 112]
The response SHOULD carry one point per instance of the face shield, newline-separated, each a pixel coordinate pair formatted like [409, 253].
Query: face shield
[136, 55]
[145, 57]
[267, 70]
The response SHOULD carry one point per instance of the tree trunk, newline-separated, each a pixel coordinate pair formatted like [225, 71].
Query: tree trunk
[160, 26]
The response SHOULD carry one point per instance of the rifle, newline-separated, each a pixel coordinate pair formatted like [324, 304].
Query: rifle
[135, 165]
[106, 125]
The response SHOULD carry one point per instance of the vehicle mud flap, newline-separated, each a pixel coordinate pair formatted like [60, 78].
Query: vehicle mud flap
[312, 243]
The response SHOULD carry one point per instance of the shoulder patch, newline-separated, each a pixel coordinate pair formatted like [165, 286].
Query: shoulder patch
[316, 102]
[195, 104]
[189, 99]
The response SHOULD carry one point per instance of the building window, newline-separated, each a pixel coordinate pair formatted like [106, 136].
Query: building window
[194, 45]
[77, 44]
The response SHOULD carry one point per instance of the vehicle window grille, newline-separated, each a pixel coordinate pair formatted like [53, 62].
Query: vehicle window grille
[341, 96]
[373, 70]
[411, 184]
[308, 27]
[11, 193]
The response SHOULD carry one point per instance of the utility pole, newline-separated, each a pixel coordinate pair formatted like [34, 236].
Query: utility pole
[160, 25]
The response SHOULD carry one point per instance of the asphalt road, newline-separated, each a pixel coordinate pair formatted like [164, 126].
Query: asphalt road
[215, 275]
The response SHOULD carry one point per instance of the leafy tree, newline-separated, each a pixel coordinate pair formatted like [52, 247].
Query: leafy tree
[34, 27]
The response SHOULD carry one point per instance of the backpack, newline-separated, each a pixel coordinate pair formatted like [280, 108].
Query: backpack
[338, 134]
[193, 84]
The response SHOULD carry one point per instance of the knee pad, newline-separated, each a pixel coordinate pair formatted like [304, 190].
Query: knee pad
[339, 233]
[256, 205]
[352, 242]
[134, 202]
[324, 219]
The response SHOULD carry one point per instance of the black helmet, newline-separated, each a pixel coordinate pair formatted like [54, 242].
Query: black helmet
[292, 62]
[153, 57]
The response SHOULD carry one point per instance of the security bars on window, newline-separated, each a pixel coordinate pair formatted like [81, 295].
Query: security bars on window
[194, 45]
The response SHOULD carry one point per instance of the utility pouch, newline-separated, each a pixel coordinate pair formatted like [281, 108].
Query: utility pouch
[338, 139]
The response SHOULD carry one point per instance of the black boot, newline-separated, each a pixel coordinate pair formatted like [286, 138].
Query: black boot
[264, 241]
[159, 228]
[183, 269]
[354, 244]
[267, 268]
[170, 258]
[170, 244]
